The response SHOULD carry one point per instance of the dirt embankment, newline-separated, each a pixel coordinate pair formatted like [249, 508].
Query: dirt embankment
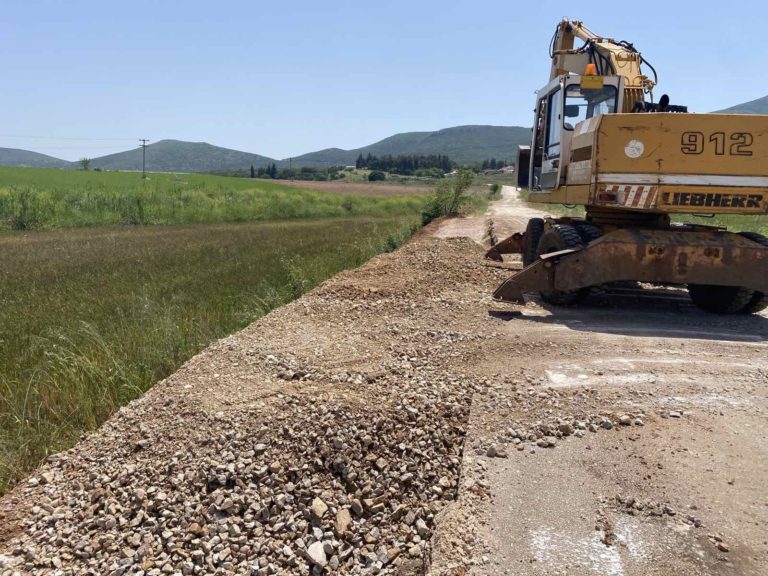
[337, 434]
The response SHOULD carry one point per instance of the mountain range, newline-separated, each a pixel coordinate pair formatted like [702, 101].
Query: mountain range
[27, 158]
[179, 156]
[463, 144]
[759, 106]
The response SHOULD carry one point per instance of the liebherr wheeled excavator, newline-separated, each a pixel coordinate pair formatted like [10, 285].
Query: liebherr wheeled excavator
[600, 141]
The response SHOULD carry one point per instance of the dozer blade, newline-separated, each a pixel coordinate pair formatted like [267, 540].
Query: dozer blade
[510, 245]
[659, 256]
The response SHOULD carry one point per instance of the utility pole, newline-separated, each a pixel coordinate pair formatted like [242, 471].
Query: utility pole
[143, 157]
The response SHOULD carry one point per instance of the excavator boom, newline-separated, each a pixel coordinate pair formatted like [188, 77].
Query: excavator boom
[609, 58]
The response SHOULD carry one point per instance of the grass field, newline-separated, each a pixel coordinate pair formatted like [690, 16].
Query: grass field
[42, 199]
[90, 318]
[365, 188]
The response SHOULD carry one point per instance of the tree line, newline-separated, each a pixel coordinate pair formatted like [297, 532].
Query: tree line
[304, 173]
[406, 164]
[493, 164]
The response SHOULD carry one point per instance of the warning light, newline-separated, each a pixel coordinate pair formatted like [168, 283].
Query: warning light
[590, 70]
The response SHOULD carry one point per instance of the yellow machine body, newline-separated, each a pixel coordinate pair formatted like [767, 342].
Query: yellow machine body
[672, 163]
[635, 164]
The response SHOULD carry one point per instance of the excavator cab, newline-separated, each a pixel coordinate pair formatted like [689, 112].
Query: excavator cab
[561, 107]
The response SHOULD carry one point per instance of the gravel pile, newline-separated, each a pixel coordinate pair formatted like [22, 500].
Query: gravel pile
[327, 438]
[274, 451]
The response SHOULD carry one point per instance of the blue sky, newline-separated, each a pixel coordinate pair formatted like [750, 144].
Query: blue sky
[87, 78]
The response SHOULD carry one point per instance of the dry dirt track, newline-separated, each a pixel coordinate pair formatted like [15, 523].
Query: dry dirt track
[353, 432]
[659, 421]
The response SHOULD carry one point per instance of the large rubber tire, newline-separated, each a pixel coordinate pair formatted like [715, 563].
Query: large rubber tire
[533, 233]
[720, 299]
[561, 237]
[588, 232]
[759, 301]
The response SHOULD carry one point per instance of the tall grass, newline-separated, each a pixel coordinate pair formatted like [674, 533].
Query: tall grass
[91, 318]
[734, 223]
[41, 199]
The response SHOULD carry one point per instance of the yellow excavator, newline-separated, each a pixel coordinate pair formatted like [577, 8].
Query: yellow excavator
[600, 141]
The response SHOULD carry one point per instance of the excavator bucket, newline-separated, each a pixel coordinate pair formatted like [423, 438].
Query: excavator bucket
[511, 245]
[659, 256]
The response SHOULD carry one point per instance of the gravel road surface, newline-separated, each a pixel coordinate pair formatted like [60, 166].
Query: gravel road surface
[397, 421]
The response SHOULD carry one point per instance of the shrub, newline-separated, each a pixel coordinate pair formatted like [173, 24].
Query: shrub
[376, 175]
[449, 198]
[429, 173]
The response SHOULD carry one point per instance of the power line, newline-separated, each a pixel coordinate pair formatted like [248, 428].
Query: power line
[66, 138]
[79, 147]
[143, 157]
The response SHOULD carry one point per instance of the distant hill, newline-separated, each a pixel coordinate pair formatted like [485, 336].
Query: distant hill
[27, 159]
[461, 144]
[759, 106]
[179, 156]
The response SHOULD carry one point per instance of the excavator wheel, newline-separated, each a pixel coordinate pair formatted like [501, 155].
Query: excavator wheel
[731, 299]
[561, 237]
[759, 301]
[588, 232]
[720, 299]
[533, 233]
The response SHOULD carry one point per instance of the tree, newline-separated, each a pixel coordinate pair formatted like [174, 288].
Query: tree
[253, 172]
[376, 175]
[85, 163]
[450, 197]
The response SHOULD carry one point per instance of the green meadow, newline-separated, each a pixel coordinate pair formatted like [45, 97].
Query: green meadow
[96, 307]
[43, 199]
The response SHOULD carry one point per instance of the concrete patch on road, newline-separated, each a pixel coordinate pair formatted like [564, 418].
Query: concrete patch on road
[637, 543]
[561, 379]
[566, 521]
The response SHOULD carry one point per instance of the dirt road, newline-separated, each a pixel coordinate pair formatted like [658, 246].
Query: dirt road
[649, 450]
[397, 421]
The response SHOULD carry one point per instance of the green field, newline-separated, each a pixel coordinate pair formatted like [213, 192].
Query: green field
[109, 282]
[90, 318]
[43, 199]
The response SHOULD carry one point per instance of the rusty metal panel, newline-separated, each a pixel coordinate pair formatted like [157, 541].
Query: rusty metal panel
[510, 245]
[663, 256]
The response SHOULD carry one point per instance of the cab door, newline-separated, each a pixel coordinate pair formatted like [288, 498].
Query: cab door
[551, 160]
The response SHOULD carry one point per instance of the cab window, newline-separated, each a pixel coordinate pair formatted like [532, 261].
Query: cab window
[554, 111]
[582, 103]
